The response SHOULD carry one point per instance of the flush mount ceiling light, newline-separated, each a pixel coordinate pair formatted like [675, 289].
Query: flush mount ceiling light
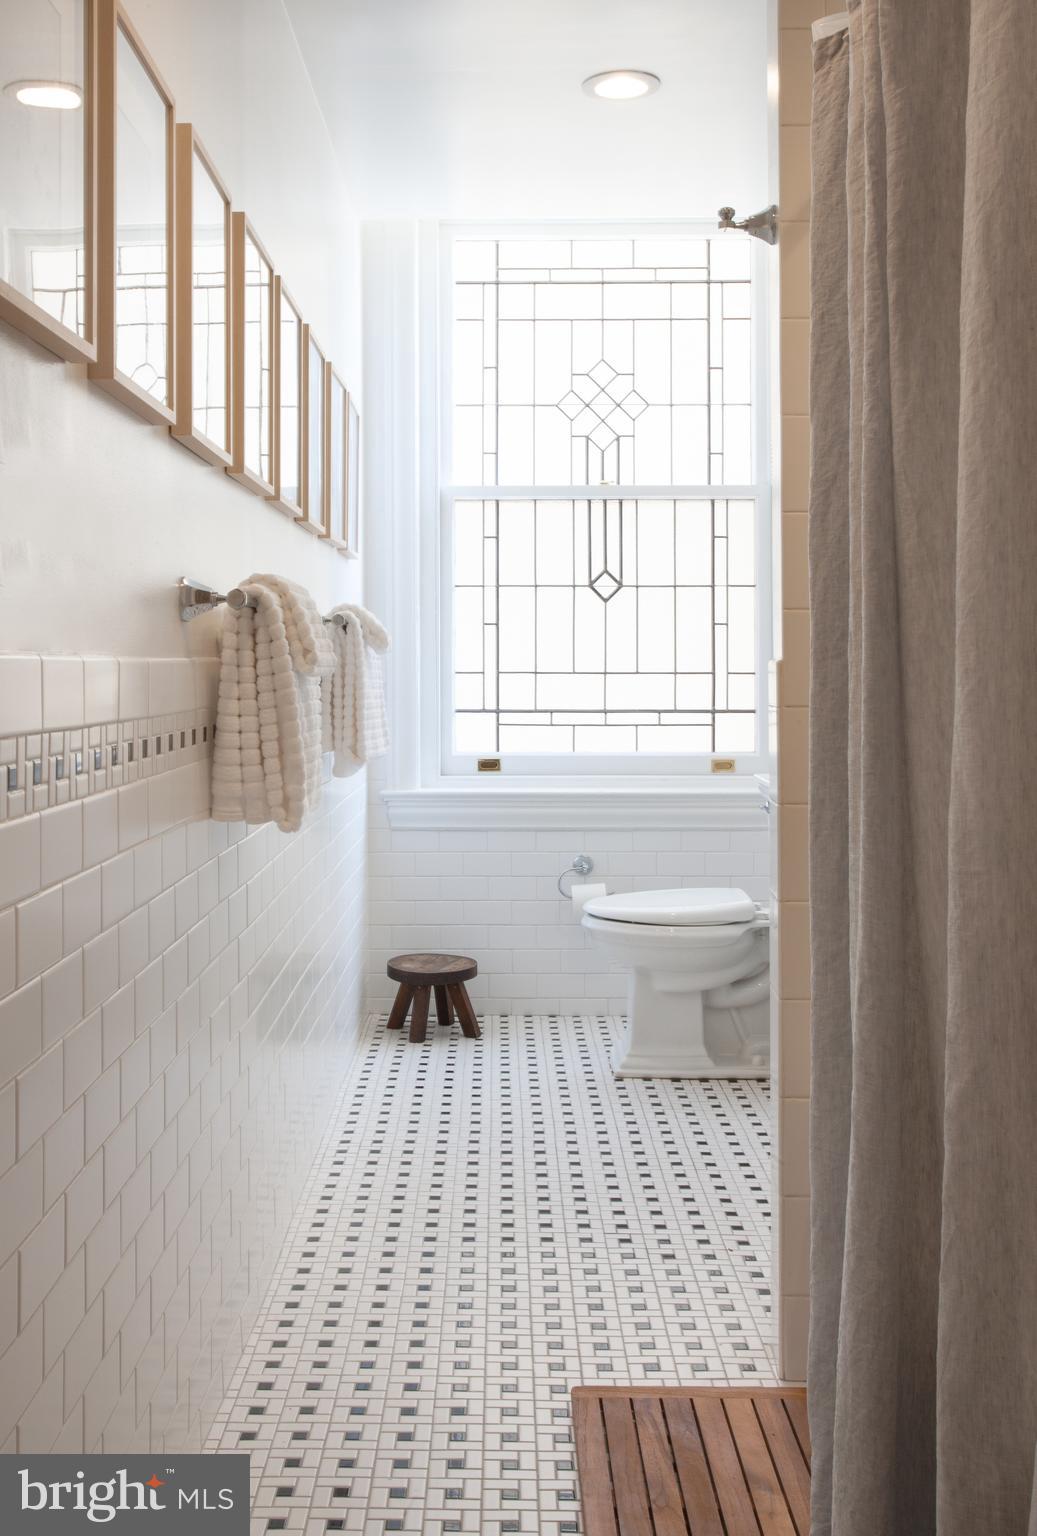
[59, 95]
[622, 84]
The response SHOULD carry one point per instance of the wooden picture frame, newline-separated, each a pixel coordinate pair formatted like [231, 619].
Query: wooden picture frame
[16, 307]
[314, 517]
[118, 42]
[253, 394]
[352, 478]
[288, 397]
[336, 458]
[187, 428]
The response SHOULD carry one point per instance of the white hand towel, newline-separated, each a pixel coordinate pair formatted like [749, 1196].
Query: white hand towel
[266, 763]
[355, 725]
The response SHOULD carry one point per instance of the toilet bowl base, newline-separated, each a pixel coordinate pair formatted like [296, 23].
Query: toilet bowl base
[664, 1035]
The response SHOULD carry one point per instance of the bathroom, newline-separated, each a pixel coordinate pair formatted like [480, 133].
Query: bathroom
[410, 1100]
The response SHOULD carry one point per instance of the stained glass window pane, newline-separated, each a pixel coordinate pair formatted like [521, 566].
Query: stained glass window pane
[598, 624]
[604, 626]
[589, 361]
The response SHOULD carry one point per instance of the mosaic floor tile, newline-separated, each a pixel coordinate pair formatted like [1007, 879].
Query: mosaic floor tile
[489, 1224]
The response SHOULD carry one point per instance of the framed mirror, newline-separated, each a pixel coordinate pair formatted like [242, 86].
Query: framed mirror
[48, 104]
[288, 443]
[336, 403]
[135, 221]
[203, 300]
[314, 476]
[252, 460]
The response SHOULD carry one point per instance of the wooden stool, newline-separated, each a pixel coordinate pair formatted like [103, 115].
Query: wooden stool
[417, 976]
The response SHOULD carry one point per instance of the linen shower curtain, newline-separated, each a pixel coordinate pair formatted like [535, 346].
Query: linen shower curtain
[923, 858]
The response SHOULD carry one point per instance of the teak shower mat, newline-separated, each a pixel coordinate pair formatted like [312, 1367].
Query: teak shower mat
[684, 1461]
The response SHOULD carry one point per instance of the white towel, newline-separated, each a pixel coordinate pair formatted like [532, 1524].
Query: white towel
[266, 764]
[355, 726]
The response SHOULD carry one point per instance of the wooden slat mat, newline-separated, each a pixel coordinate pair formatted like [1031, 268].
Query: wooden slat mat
[669, 1461]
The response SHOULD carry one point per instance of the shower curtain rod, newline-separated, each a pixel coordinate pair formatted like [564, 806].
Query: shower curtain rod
[196, 598]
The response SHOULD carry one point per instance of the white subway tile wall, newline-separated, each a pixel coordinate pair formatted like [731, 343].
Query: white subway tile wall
[494, 894]
[176, 998]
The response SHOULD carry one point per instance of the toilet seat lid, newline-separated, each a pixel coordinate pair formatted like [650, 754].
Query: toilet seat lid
[686, 907]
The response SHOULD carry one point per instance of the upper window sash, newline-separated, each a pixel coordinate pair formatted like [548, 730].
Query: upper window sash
[581, 359]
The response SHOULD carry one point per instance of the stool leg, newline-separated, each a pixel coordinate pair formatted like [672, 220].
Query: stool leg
[443, 1013]
[400, 1006]
[419, 1014]
[464, 1010]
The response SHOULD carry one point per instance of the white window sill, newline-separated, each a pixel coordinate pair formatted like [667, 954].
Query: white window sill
[737, 803]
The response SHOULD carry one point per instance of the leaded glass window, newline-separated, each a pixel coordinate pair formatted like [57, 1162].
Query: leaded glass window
[582, 361]
[601, 505]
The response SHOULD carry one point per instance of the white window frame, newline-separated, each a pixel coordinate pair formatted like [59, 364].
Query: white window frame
[441, 767]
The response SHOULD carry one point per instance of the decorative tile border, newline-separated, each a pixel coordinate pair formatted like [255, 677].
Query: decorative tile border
[54, 767]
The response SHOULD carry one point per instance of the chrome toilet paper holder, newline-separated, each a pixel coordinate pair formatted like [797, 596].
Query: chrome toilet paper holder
[582, 864]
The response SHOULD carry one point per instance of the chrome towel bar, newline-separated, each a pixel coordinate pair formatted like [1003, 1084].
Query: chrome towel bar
[196, 597]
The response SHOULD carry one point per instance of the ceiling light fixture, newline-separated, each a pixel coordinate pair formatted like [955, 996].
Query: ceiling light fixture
[622, 84]
[58, 95]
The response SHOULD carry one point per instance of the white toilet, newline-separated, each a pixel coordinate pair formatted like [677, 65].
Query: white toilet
[699, 981]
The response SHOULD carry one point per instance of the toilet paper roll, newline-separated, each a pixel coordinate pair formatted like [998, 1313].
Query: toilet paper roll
[581, 894]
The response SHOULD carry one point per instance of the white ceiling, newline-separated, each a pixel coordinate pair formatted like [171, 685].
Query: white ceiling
[472, 109]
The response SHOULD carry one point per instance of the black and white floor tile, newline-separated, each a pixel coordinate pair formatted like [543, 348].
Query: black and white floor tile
[491, 1223]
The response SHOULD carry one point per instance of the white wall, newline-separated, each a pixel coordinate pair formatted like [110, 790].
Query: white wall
[175, 995]
[101, 513]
